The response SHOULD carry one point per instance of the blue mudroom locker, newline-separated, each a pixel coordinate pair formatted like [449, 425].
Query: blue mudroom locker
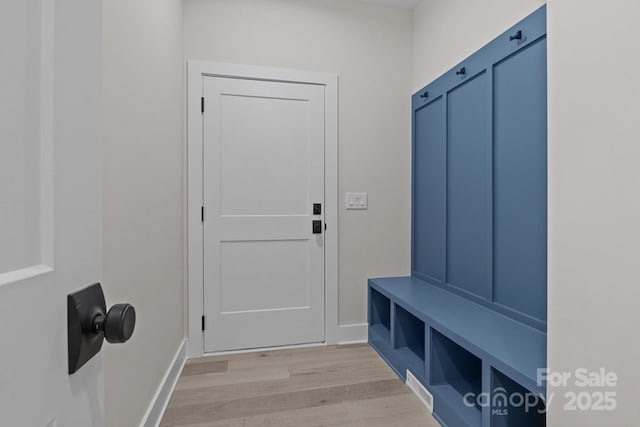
[470, 321]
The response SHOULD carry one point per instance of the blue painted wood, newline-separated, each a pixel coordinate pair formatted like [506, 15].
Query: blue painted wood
[429, 191]
[492, 247]
[455, 372]
[486, 388]
[427, 353]
[468, 188]
[410, 335]
[386, 351]
[520, 181]
[380, 310]
[399, 359]
[514, 348]
[472, 317]
[450, 408]
[505, 414]
[452, 364]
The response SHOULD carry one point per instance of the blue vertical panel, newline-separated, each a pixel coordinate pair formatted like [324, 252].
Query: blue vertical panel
[429, 191]
[469, 188]
[520, 181]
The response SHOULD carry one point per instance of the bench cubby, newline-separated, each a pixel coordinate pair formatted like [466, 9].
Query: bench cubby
[379, 316]
[456, 349]
[455, 377]
[513, 405]
[409, 339]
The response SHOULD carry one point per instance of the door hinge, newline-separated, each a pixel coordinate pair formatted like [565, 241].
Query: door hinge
[202, 213]
[203, 323]
[202, 105]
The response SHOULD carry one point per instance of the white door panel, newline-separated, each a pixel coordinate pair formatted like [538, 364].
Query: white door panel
[249, 228]
[263, 171]
[50, 206]
[271, 147]
[278, 280]
[20, 122]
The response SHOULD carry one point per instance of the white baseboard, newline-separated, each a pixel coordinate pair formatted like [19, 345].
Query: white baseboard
[160, 400]
[350, 334]
[261, 349]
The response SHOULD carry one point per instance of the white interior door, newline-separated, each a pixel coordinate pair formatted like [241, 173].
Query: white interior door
[263, 171]
[50, 206]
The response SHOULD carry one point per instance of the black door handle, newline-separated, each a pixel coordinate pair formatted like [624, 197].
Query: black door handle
[317, 226]
[118, 324]
[89, 323]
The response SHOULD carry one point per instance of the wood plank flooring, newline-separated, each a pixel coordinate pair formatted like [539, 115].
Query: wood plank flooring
[305, 387]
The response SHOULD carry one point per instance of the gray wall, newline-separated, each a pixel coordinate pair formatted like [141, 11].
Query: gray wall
[143, 196]
[369, 46]
[447, 31]
[594, 201]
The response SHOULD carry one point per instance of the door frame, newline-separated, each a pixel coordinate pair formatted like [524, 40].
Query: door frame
[196, 70]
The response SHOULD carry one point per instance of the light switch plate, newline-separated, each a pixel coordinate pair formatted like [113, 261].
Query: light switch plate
[356, 200]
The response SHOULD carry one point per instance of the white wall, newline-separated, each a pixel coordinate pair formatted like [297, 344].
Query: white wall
[143, 201]
[447, 31]
[594, 200]
[369, 46]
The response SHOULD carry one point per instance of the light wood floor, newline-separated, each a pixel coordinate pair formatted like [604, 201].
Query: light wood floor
[305, 387]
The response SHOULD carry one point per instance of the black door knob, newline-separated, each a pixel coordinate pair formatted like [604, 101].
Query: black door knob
[88, 325]
[118, 324]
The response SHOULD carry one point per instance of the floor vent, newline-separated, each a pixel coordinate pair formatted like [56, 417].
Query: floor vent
[419, 390]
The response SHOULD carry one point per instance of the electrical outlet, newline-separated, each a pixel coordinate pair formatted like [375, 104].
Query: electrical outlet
[356, 200]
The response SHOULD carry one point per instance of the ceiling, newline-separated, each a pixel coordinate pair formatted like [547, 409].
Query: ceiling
[407, 4]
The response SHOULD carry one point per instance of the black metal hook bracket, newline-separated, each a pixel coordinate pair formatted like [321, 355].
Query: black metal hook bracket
[462, 71]
[517, 36]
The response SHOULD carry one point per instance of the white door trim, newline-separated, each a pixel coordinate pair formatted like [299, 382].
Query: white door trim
[195, 72]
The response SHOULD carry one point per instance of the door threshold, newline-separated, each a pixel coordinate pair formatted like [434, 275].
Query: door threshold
[261, 349]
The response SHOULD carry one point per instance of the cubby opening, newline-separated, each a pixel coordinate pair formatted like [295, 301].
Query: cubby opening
[513, 405]
[456, 377]
[380, 315]
[409, 340]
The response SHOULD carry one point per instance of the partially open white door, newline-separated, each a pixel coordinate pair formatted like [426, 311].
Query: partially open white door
[50, 206]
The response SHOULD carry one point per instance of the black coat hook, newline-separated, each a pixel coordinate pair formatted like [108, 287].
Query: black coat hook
[462, 71]
[425, 95]
[517, 36]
